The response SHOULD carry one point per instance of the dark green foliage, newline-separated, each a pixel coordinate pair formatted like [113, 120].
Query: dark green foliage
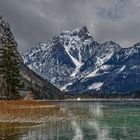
[9, 67]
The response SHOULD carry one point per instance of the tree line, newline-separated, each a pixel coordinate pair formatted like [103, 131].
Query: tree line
[9, 68]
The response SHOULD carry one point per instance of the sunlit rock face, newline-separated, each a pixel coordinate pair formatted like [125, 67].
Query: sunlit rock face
[75, 62]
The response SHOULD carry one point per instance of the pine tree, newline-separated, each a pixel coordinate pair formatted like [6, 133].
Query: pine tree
[9, 67]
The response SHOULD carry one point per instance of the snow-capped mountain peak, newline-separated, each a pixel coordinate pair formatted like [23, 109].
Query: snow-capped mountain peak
[82, 32]
[75, 62]
[68, 51]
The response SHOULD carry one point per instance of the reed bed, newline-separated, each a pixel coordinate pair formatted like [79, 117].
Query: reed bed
[28, 111]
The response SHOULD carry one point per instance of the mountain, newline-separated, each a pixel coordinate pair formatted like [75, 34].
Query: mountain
[41, 88]
[30, 80]
[120, 74]
[61, 58]
[74, 62]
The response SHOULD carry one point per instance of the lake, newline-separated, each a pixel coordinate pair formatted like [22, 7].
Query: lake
[82, 121]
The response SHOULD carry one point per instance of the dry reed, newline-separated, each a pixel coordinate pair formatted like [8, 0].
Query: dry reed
[28, 111]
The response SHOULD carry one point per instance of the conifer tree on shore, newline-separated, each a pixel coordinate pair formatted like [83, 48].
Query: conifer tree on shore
[9, 67]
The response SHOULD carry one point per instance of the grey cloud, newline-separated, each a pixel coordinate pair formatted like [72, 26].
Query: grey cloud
[125, 32]
[33, 21]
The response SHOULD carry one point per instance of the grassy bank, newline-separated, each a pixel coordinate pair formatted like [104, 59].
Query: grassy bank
[28, 111]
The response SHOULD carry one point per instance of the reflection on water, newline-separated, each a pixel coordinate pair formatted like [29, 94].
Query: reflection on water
[85, 121]
[101, 133]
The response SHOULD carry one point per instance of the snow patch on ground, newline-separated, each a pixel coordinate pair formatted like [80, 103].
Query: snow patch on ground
[92, 74]
[77, 63]
[65, 86]
[121, 69]
[105, 67]
[102, 59]
[95, 73]
[95, 86]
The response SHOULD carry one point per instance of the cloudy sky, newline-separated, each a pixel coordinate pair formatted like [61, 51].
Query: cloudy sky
[33, 21]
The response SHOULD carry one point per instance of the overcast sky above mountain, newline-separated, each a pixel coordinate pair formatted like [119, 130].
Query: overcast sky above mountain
[38, 20]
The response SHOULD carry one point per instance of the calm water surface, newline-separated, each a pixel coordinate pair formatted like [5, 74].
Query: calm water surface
[86, 121]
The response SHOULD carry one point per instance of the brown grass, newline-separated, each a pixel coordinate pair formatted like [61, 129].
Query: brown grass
[27, 111]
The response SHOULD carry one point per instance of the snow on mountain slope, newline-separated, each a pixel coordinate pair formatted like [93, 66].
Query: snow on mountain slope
[61, 58]
[95, 86]
[106, 51]
[98, 71]
[75, 62]
[51, 62]
[79, 45]
[121, 69]
[120, 74]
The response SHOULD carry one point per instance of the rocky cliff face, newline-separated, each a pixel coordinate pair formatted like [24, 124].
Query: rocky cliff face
[31, 80]
[5, 28]
[75, 62]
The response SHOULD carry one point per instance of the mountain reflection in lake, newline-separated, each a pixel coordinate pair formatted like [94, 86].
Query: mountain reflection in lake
[83, 121]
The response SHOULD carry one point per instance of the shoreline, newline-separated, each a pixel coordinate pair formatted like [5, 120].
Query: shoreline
[42, 111]
[29, 112]
[95, 100]
[32, 121]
